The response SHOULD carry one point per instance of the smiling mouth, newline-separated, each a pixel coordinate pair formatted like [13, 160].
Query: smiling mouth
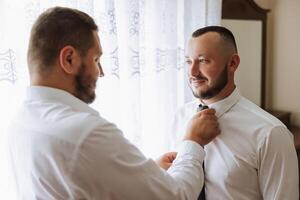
[198, 82]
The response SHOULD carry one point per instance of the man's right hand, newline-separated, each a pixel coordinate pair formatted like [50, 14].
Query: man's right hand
[203, 127]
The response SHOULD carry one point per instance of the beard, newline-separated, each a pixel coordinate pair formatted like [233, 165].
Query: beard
[85, 85]
[215, 89]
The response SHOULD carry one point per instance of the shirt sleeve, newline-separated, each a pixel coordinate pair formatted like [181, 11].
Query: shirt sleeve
[108, 164]
[278, 166]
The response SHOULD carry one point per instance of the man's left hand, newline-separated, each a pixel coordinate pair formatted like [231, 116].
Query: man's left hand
[166, 160]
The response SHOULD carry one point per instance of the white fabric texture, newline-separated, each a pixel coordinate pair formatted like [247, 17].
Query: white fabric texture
[254, 156]
[68, 151]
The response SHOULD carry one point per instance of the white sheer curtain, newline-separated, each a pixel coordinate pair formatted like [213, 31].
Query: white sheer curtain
[145, 79]
[143, 44]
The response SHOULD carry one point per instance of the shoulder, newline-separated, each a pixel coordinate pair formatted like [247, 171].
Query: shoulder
[248, 109]
[68, 124]
[262, 123]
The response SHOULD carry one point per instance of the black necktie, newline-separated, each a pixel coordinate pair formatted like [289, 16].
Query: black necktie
[202, 193]
[201, 107]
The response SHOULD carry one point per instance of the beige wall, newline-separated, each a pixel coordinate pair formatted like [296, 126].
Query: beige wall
[283, 57]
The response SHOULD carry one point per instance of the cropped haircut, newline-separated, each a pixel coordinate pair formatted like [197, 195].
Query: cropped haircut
[224, 33]
[56, 28]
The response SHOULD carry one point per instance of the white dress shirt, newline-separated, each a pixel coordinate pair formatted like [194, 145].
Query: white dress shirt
[254, 156]
[62, 149]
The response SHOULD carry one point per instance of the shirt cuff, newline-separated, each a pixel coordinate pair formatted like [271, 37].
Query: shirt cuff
[191, 148]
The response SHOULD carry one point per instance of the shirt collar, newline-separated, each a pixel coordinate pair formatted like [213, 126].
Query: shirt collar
[38, 93]
[225, 104]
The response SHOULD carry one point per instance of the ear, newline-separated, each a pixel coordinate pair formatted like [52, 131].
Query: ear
[69, 60]
[233, 62]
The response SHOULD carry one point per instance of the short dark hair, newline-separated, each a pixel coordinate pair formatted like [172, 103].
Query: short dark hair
[56, 28]
[225, 34]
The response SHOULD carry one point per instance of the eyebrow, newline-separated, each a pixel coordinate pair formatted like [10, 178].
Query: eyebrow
[200, 55]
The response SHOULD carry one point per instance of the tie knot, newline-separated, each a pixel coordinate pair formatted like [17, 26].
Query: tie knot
[201, 107]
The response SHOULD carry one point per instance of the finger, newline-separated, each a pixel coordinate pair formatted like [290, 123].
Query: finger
[208, 111]
[215, 124]
[218, 129]
[174, 155]
[210, 117]
[171, 155]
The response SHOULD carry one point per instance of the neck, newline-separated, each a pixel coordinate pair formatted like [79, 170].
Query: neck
[54, 81]
[225, 92]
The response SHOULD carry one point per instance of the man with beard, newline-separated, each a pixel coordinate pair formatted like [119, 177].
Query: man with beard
[63, 149]
[254, 156]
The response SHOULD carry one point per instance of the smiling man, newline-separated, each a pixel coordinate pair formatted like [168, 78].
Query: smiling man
[63, 149]
[254, 156]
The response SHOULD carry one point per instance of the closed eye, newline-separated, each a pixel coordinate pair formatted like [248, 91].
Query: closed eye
[188, 61]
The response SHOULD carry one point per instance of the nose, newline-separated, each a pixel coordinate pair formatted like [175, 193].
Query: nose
[101, 73]
[194, 68]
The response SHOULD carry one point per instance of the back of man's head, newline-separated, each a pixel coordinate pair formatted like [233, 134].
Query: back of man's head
[54, 29]
[225, 34]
